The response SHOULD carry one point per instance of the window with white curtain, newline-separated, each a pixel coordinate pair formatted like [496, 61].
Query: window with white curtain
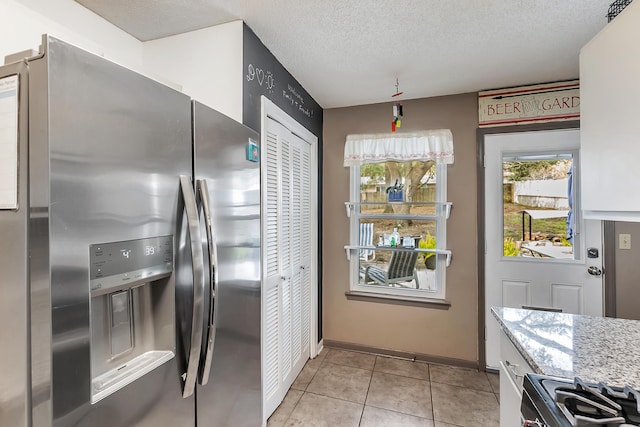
[398, 212]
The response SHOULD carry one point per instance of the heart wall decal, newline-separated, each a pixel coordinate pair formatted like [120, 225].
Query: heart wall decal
[260, 75]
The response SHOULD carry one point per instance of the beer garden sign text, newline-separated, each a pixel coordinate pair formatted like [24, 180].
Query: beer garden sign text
[529, 104]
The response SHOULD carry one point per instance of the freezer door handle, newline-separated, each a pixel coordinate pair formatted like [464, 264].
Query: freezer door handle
[197, 257]
[203, 196]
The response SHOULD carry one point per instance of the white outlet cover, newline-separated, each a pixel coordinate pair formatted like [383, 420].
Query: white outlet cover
[624, 241]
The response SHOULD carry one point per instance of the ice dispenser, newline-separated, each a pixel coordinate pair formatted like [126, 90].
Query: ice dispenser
[132, 320]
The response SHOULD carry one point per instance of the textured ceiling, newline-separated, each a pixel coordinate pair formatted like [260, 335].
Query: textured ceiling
[351, 52]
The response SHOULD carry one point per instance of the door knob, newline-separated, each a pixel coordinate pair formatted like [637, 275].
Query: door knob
[594, 271]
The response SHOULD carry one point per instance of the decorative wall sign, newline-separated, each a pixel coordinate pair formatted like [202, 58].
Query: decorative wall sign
[529, 104]
[264, 75]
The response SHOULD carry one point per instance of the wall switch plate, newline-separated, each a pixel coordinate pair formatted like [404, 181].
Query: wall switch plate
[624, 241]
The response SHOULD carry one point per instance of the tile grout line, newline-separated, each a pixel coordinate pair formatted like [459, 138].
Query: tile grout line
[368, 388]
[293, 409]
[303, 392]
[428, 380]
[345, 400]
[335, 398]
[402, 413]
[314, 374]
[462, 386]
[402, 374]
[433, 408]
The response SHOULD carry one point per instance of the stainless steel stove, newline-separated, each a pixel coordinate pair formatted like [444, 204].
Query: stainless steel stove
[557, 402]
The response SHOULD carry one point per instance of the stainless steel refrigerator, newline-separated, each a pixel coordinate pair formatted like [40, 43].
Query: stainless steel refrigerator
[232, 396]
[129, 251]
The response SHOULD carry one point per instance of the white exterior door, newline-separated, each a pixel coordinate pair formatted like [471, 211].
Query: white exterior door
[287, 307]
[543, 275]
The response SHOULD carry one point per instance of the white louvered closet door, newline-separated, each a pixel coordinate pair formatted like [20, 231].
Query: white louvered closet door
[285, 254]
[300, 248]
[271, 287]
[287, 309]
[305, 249]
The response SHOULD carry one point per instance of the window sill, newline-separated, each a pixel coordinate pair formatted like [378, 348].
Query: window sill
[439, 304]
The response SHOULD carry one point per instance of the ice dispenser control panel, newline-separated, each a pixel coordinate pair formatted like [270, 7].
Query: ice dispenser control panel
[119, 265]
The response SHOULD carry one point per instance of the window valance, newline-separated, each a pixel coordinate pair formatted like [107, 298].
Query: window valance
[427, 145]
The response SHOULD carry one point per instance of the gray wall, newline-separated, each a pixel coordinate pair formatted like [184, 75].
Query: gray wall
[627, 281]
[448, 333]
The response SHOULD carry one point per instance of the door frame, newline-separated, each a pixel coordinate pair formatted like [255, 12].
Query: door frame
[481, 191]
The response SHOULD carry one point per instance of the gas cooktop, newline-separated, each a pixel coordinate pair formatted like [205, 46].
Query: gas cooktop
[558, 402]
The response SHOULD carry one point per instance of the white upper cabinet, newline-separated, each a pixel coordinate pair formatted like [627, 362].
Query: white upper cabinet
[610, 120]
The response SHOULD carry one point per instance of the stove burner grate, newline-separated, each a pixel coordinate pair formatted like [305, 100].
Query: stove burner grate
[583, 404]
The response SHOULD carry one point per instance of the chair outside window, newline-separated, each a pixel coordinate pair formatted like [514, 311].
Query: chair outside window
[402, 268]
[366, 239]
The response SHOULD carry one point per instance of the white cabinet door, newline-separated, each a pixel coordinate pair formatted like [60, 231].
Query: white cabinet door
[609, 111]
[510, 399]
[513, 368]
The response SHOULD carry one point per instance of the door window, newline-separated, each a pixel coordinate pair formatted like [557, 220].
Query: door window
[538, 196]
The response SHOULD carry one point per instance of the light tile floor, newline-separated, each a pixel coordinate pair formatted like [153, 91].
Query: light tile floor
[345, 388]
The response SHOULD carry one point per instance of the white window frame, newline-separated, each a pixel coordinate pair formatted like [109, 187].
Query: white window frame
[441, 240]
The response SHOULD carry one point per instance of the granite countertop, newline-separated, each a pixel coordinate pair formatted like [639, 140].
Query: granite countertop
[569, 345]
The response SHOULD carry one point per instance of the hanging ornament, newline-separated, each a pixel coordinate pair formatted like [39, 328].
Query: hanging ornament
[398, 93]
[397, 110]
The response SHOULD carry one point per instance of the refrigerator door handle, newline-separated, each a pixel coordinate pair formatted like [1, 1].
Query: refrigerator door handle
[203, 195]
[197, 257]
